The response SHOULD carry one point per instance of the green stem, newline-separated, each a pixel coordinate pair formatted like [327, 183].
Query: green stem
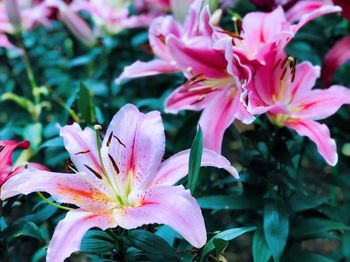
[52, 203]
[29, 71]
[63, 104]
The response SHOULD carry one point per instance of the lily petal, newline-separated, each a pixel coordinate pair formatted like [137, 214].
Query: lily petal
[320, 135]
[172, 206]
[218, 116]
[69, 188]
[82, 148]
[142, 69]
[320, 104]
[185, 99]
[336, 56]
[7, 147]
[176, 167]
[197, 60]
[137, 144]
[306, 18]
[70, 231]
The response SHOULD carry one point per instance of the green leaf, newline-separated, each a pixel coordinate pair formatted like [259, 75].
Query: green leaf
[261, 252]
[195, 160]
[86, 104]
[97, 241]
[154, 247]
[220, 202]
[298, 255]
[25, 229]
[54, 142]
[276, 228]
[33, 133]
[220, 246]
[19, 100]
[308, 227]
[224, 235]
[40, 216]
[303, 202]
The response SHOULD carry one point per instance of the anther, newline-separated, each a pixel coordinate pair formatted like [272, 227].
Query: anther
[115, 166]
[2, 148]
[284, 73]
[109, 139]
[119, 141]
[93, 171]
[276, 65]
[98, 127]
[83, 152]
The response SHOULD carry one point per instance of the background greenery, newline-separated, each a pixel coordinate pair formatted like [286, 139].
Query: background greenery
[287, 205]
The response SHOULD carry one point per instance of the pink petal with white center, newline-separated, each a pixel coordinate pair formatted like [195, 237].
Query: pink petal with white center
[301, 8]
[259, 28]
[70, 231]
[306, 18]
[137, 145]
[322, 103]
[218, 116]
[75, 189]
[176, 167]
[305, 79]
[207, 61]
[320, 135]
[82, 148]
[142, 69]
[237, 66]
[172, 206]
[338, 55]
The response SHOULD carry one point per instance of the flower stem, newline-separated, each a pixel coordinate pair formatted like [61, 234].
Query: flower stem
[52, 203]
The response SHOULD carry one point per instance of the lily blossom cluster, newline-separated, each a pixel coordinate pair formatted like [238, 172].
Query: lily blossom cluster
[120, 181]
[7, 148]
[220, 65]
[113, 16]
[21, 15]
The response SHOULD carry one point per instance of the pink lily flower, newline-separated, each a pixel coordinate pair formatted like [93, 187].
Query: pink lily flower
[284, 91]
[263, 33]
[122, 183]
[214, 85]
[114, 16]
[338, 55]
[6, 150]
[196, 30]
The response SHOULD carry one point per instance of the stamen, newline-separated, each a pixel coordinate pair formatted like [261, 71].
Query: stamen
[233, 35]
[1, 148]
[93, 171]
[284, 62]
[119, 141]
[162, 38]
[82, 152]
[109, 139]
[284, 73]
[115, 166]
[67, 165]
[276, 65]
